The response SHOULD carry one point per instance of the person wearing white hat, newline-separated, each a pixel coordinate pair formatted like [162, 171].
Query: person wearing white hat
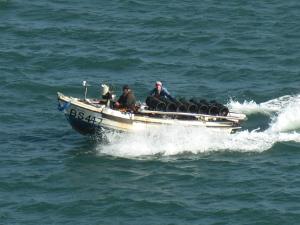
[106, 95]
[160, 91]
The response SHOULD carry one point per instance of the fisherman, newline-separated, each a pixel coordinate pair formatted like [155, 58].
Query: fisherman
[106, 93]
[126, 100]
[160, 91]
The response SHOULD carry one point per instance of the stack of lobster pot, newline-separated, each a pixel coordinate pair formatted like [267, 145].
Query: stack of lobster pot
[171, 106]
[194, 105]
[155, 104]
[189, 106]
[210, 108]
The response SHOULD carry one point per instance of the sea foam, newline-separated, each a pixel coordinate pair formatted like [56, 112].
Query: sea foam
[169, 140]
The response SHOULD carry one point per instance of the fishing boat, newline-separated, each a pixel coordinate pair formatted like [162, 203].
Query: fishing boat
[96, 116]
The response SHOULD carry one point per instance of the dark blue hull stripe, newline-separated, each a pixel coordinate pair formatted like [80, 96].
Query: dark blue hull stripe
[82, 126]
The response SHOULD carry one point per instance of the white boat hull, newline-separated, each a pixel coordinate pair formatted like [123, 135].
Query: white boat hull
[90, 118]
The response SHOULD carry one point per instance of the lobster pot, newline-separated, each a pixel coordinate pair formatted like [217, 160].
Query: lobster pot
[223, 111]
[155, 104]
[170, 105]
[190, 107]
[219, 109]
[213, 110]
[210, 108]
[203, 105]
[194, 105]
[203, 109]
[179, 106]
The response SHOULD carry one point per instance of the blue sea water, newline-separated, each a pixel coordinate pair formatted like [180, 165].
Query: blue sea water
[244, 54]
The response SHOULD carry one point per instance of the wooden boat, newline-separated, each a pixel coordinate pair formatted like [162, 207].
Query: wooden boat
[92, 117]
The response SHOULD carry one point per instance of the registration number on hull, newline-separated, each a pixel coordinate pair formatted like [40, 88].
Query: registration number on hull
[80, 115]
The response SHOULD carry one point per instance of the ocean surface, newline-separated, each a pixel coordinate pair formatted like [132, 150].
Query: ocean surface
[245, 54]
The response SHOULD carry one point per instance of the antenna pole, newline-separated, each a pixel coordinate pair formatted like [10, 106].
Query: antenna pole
[85, 92]
[84, 84]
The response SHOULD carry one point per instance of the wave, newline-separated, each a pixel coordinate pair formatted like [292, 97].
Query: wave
[169, 141]
[289, 117]
[176, 141]
[268, 107]
[284, 111]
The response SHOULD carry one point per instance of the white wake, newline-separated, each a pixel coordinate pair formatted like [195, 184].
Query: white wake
[271, 106]
[284, 111]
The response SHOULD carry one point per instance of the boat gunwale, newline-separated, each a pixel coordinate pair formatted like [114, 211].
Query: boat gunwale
[143, 118]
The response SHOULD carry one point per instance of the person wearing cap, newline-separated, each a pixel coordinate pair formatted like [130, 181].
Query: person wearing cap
[160, 91]
[126, 100]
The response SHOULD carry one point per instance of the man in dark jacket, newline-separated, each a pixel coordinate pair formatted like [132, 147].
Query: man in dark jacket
[127, 99]
[160, 91]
